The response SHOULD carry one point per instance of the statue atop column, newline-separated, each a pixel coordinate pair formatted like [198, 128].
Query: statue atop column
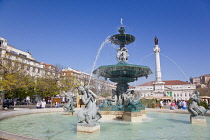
[156, 40]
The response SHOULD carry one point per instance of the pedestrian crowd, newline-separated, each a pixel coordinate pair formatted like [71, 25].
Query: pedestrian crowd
[180, 104]
[40, 104]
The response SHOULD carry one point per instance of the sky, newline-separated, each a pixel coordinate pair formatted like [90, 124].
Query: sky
[71, 32]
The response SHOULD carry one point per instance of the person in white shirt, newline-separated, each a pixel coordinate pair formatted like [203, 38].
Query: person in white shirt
[43, 103]
[38, 104]
[161, 104]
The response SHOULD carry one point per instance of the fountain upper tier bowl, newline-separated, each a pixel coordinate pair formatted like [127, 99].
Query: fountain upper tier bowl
[122, 39]
[123, 71]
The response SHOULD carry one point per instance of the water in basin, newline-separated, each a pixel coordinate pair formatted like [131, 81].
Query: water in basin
[55, 126]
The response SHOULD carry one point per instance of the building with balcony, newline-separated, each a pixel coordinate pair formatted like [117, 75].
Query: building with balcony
[25, 59]
[173, 90]
[87, 79]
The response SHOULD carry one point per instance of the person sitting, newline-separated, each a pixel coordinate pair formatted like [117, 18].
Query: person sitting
[55, 105]
[38, 104]
[173, 106]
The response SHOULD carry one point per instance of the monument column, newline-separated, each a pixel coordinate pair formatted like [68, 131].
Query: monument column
[158, 84]
[157, 61]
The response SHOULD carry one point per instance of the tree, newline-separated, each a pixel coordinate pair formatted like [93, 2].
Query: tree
[14, 79]
[69, 83]
[46, 87]
[204, 91]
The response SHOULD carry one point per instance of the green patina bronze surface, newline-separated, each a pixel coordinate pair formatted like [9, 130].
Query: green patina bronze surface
[122, 74]
[122, 39]
[123, 70]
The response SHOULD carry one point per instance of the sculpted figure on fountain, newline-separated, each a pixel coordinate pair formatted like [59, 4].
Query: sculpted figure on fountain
[130, 103]
[70, 105]
[90, 114]
[193, 106]
[122, 54]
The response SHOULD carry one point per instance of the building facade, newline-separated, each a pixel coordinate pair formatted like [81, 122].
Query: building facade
[27, 62]
[86, 79]
[201, 81]
[173, 89]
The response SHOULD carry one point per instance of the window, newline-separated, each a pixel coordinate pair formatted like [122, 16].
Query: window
[21, 54]
[13, 52]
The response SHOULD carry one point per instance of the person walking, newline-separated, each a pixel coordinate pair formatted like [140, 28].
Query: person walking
[184, 105]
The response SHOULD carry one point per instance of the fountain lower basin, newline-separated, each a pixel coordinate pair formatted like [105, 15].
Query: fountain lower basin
[55, 126]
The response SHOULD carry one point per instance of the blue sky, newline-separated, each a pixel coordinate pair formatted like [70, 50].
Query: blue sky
[70, 32]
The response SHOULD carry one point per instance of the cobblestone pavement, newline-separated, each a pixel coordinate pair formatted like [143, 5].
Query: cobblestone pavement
[24, 106]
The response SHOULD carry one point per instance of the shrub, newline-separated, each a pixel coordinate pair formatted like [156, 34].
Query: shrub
[149, 103]
[204, 104]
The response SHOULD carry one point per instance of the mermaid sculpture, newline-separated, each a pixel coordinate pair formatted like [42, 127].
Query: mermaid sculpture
[193, 107]
[90, 114]
[70, 105]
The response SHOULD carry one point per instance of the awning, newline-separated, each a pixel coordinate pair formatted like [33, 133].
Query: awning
[165, 98]
[204, 97]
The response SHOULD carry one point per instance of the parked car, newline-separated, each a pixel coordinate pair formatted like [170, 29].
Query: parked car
[7, 103]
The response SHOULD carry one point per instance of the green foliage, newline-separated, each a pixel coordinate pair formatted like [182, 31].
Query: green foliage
[69, 83]
[204, 104]
[16, 82]
[149, 103]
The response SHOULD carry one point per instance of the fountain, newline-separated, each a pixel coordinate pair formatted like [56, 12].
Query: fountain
[122, 102]
[41, 124]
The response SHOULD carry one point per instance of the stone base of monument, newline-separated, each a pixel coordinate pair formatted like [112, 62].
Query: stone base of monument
[111, 115]
[197, 119]
[88, 128]
[133, 116]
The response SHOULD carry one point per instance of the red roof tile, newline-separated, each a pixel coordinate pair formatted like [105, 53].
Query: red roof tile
[171, 82]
